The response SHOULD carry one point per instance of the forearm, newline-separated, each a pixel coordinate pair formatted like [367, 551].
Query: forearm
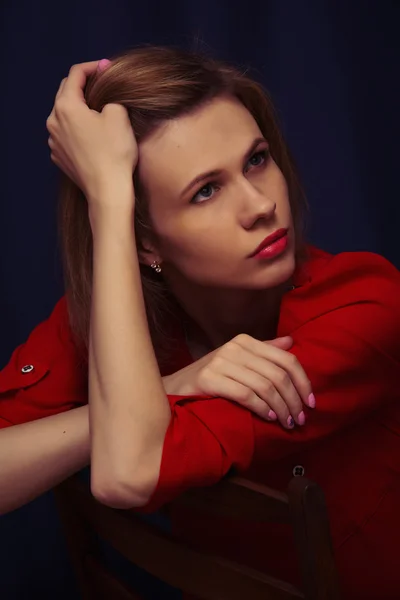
[36, 456]
[129, 411]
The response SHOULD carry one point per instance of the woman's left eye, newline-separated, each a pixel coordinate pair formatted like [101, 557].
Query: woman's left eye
[208, 190]
[258, 158]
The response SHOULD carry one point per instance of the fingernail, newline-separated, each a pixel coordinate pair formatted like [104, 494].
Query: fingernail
[272, 415]
[311, 401]
[301, 419]
[290, 422]
[103, 64]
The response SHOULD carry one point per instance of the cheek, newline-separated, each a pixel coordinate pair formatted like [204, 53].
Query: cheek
[192, 243]
[196, 244]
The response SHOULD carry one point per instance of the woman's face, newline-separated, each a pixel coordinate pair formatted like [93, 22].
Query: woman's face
[214, 195]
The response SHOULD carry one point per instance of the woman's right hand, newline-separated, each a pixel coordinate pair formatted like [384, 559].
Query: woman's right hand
[261, 376]
[94, 149]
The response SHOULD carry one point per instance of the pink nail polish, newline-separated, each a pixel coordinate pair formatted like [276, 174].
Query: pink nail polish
[272, 415]
[311, 401]
[103, 64]
[301, 419]
[290, 422]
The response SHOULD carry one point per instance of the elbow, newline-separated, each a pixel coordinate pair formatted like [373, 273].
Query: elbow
[118, 496]
[124, 492]
[126, 481]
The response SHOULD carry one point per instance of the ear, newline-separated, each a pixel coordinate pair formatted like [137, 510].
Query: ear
[149, 254]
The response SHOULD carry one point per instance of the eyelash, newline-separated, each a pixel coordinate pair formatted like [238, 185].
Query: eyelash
[264, 155]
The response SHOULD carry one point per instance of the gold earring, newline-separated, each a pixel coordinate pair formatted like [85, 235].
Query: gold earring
[156, 266]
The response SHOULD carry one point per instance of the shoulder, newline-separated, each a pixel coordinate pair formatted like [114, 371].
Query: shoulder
[350, 297]
[53, 337]
[331, 281]
[46, 374]
[51, 334]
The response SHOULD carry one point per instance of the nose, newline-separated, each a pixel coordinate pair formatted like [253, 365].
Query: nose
[255, 205]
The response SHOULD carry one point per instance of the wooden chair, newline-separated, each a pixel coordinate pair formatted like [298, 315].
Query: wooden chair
[170, 560]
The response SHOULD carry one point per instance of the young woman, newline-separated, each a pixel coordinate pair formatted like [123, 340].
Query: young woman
[176, 278]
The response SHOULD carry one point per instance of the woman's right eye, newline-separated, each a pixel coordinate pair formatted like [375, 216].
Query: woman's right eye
[204, 193]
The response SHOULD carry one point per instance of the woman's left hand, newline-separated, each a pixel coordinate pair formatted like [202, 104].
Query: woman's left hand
[94, 149]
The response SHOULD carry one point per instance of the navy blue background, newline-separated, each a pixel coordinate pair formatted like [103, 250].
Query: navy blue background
[332, 68]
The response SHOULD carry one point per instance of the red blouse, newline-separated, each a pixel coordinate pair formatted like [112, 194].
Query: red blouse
[344, 317]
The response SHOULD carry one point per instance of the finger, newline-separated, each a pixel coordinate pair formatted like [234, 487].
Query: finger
[50, 121]
[115, 110]
[240, 394]
[281, 381]
[54, 158]
[277, 392]
[77, 77]
[272, 375]
[103, 64]
[284, 343]
[286, 361]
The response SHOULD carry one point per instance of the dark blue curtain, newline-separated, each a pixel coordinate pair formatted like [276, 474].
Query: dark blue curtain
[332, 67]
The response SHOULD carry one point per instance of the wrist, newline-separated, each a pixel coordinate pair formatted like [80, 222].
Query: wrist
[174, 386]
[110, 182]
[112, 211]
[115, 191]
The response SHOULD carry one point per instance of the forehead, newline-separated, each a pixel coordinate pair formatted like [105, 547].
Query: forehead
[208, 139]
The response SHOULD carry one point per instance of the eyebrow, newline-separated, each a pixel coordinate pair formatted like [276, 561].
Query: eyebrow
[217, 172]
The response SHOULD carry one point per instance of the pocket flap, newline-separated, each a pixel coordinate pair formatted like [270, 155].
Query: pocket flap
[21, 372]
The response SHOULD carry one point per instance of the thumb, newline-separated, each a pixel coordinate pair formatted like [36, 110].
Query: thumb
[115, 111]
[284, 343]
[103, 64]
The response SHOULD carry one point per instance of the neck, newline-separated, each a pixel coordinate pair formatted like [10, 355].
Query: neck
[214, 317]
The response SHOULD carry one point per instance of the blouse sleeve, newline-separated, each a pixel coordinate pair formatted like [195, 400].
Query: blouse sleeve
[45, 375]
[351, 353]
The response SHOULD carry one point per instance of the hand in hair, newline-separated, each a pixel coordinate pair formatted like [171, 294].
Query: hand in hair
[95, 150]
[261, 376]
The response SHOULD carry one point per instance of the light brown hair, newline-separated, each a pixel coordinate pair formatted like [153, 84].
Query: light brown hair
[156, 84]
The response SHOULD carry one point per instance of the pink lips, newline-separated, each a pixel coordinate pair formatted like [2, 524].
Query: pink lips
[273, 245]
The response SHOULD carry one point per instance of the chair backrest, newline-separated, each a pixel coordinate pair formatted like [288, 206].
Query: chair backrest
[172, 561]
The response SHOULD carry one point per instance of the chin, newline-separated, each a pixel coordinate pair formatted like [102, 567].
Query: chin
[272, 273]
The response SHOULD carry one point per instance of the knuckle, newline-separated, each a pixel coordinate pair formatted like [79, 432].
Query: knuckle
[50, 123]
[292, 360]
[61, 106]
[204, 376]
[283, 378]
[229, 349]
[245, 396]
[241, 339]
[216, 363]
[266, 390]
